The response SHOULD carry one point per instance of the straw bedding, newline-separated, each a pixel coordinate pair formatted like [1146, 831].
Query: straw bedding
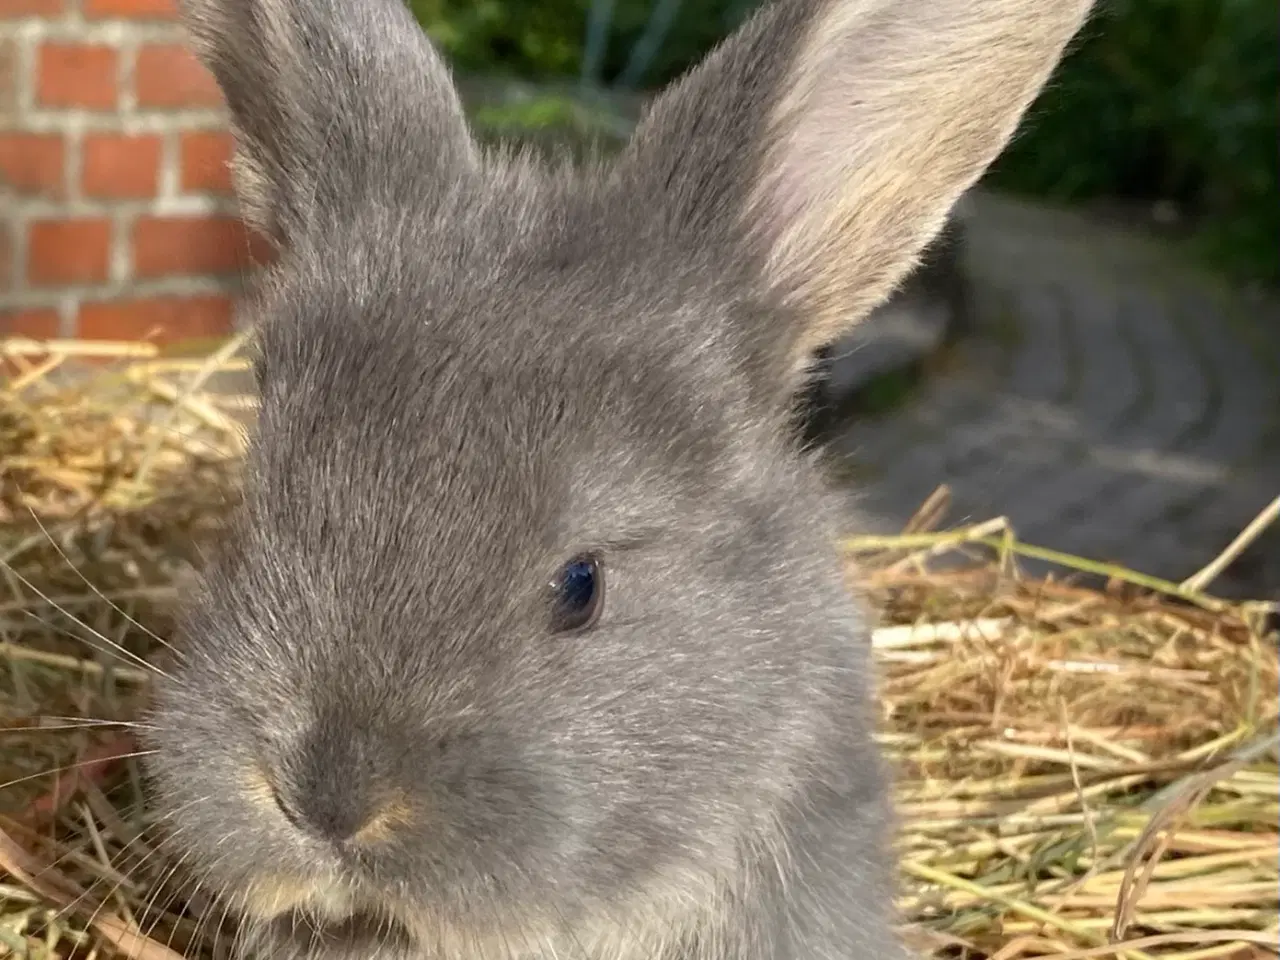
[1082, 771]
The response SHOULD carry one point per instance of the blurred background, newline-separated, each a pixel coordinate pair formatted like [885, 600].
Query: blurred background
[1091, 349]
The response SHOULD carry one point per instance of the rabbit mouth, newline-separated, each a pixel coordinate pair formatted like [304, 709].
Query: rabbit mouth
[301, 916]
[363, 932]
[376, 931]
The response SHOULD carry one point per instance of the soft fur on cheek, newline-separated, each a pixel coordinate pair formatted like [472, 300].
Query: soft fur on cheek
[668, 786]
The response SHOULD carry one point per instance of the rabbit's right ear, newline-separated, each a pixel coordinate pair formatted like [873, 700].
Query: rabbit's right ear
[332, 102]
[825, 142]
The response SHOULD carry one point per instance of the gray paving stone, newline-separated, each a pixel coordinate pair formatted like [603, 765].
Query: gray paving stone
[1042, 365]
[1177, 389]
[1108, 387]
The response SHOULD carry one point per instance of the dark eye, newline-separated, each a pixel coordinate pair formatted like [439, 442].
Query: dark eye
[577, 594]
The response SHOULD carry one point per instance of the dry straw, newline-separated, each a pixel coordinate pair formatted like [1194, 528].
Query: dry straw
[1082, 771]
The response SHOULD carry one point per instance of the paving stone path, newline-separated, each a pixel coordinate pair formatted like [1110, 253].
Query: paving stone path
[1110, 400]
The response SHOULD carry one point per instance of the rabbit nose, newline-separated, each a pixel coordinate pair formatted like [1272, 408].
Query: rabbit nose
[334, 812]
[344, 818]
[340, 796]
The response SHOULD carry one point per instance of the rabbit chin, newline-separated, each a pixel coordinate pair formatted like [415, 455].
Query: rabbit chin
[300, 933]
[383, 934]
[292, 918]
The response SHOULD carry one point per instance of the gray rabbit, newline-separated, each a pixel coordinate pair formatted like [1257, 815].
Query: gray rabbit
[530, 638]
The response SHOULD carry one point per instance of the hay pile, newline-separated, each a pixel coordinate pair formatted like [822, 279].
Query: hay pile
[1082, 772]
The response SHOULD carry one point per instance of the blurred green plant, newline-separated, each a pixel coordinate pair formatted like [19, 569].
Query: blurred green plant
[1159, 100]
[548, 39]
[1168, 100]
[549, 116]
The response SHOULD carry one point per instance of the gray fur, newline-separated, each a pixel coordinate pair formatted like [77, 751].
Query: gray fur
[473, 367]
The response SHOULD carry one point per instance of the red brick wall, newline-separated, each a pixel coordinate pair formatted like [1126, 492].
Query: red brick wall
[116, 216]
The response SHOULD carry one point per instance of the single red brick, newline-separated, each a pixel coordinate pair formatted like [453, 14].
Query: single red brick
[36, 324]
[31, 8]
[31, 163]
[131, 9]
[169, 75]
[117, 165]
[164, 246]
[206, 159]
[162, 319]
[68, 251]
[76, 75]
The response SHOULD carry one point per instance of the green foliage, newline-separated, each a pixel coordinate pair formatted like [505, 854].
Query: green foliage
[545, 40]
[1168, 100]
[548, 120]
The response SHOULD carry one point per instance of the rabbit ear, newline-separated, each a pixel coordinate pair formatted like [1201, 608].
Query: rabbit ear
[332, 101]
[833, 137]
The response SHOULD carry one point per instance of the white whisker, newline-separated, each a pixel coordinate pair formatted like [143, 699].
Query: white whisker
[112, 649]
[96, 592]
[74, 766]
[100, 636]
[60, 728]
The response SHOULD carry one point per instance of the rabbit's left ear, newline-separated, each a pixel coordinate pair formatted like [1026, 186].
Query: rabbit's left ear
[828, 140]
[334, 103]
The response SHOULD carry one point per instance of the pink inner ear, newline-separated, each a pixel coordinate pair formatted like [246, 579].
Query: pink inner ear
[797, 202]
[813, 161]
[849, 188]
